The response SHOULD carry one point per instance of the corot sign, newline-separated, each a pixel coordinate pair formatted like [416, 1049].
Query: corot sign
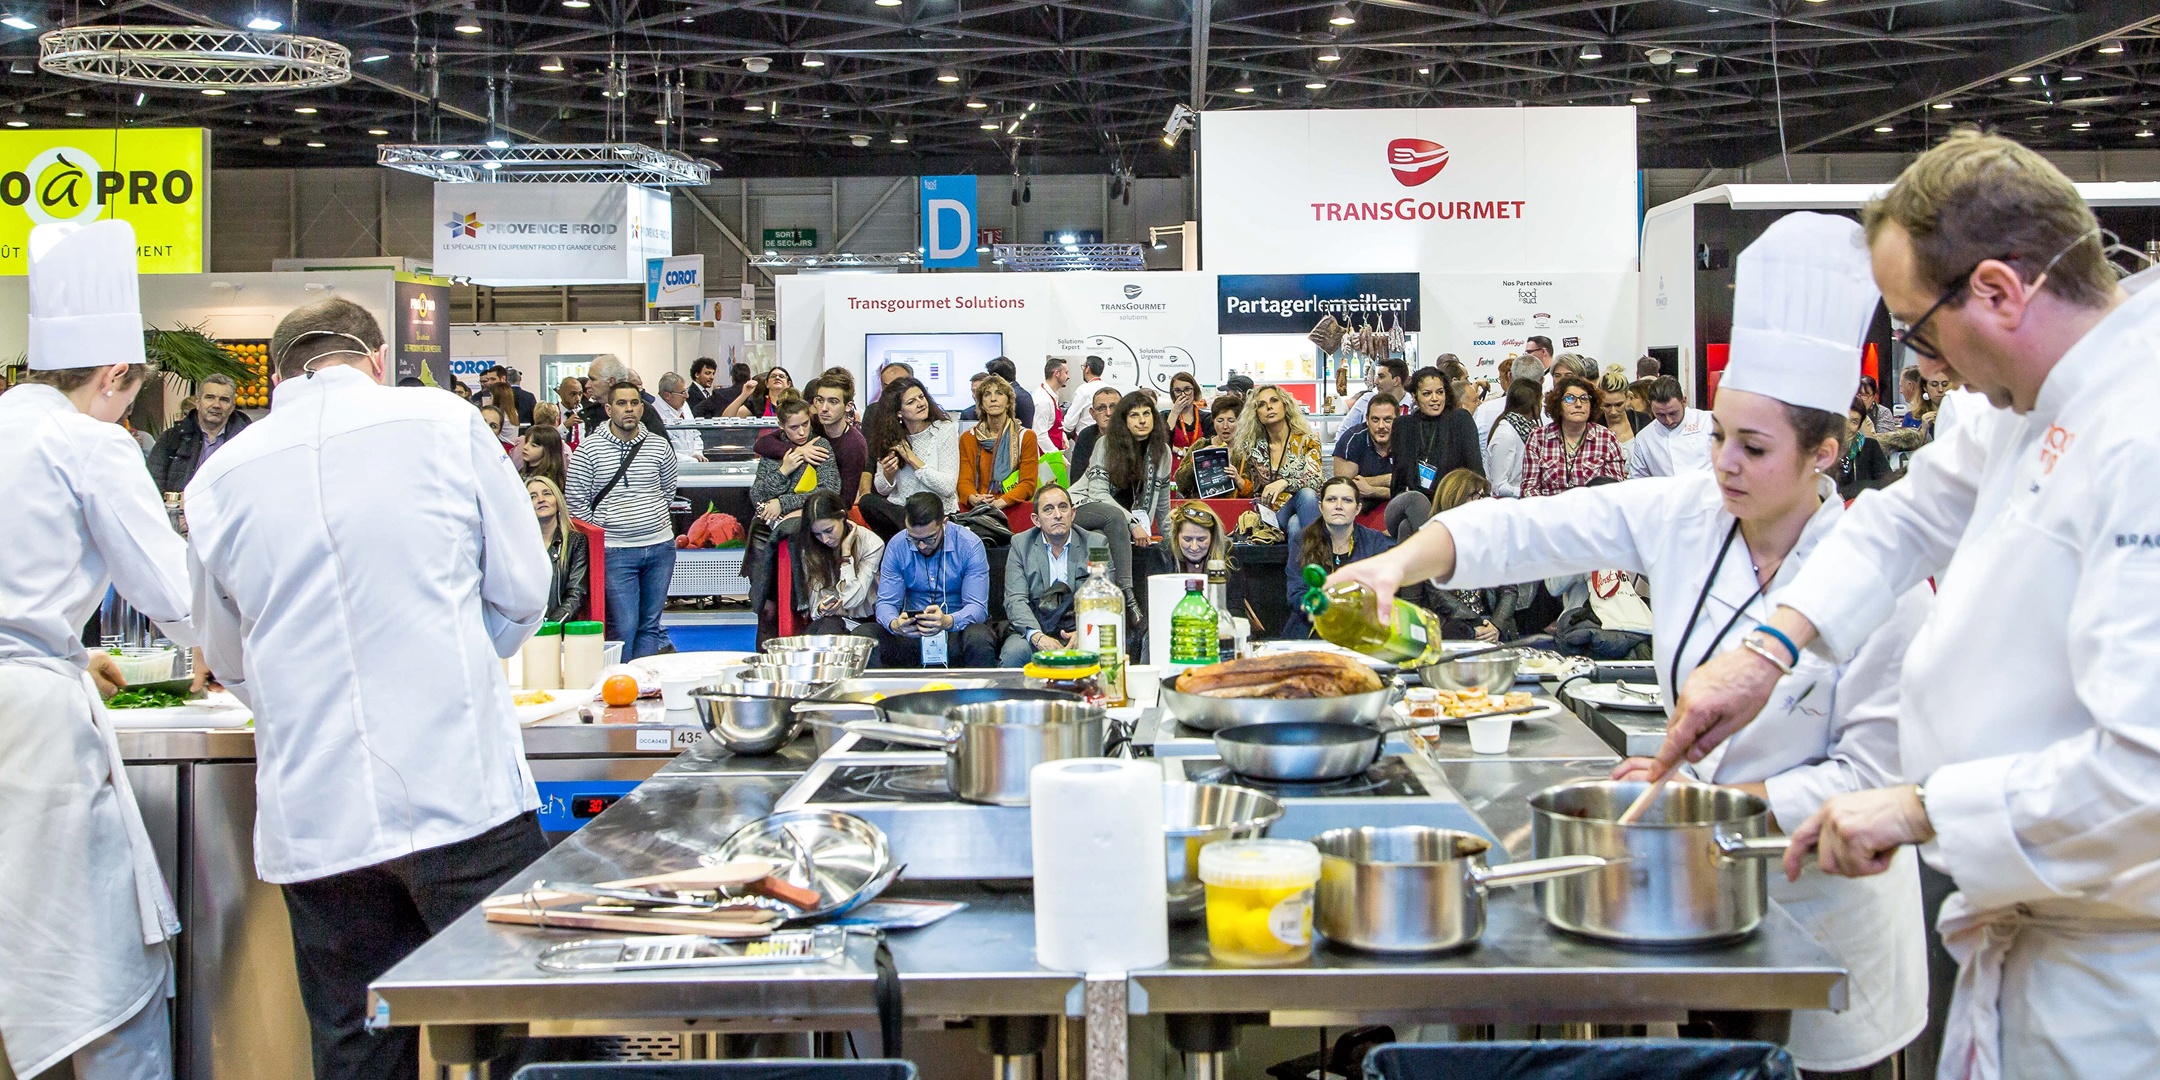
[152, 178]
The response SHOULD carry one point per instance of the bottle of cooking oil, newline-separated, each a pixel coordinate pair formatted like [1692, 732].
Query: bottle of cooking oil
[1348, 614]
[1099, 607]
[1218, 597]
[1195, 630]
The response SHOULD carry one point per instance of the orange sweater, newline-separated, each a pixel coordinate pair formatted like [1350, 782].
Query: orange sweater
[978, 460]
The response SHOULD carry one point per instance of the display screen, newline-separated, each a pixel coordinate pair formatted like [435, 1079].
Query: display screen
[943, 362]
[589, 806]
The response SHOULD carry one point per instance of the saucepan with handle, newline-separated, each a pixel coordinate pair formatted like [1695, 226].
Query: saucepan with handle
[991, 746]
[1306, 753]
[1416, 888]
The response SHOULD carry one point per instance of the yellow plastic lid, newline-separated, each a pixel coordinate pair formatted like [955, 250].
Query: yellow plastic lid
[1260, 864]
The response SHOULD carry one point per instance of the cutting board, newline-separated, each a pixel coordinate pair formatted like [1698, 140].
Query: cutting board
[216, 709]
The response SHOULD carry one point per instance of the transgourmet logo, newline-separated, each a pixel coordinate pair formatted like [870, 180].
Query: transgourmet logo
[1416, 160]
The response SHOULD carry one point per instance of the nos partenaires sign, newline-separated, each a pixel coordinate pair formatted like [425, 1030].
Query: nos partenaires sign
[153, 178]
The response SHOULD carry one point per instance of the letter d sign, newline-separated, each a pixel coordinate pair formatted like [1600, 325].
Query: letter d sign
[948, 221]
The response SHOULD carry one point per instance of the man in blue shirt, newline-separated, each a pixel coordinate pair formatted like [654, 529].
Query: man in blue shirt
[933, 603]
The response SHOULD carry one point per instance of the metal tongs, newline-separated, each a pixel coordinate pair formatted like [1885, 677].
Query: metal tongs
[816, 945]
[682, 903]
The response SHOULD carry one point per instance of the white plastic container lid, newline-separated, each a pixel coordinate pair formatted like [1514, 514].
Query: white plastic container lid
[1260, 864]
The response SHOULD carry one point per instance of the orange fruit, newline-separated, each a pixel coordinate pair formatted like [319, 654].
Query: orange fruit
[619, 690]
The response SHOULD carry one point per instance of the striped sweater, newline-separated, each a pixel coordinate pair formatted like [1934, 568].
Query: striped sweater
[635, 511]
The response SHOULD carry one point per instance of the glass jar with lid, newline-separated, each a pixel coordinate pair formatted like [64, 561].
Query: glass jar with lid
[1074, 671]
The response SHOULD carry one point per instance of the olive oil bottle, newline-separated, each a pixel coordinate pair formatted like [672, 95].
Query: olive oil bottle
[1348, 614]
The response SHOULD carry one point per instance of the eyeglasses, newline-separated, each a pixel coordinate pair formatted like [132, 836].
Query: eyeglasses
[927, 543]
[1910, 336]
[1574, 399]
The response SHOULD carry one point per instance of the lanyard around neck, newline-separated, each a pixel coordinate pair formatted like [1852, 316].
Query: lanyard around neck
[1673, 672]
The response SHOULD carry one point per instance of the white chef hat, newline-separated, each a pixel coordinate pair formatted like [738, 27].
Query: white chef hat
[85, 310]
[1803, 296]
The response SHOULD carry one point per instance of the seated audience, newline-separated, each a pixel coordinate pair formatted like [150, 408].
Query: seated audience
[759, 397]
[1023, 403]
[1224, 409]
[1863, 464]
[1369, 459]
[1190, 422]
[998, 456]
[914, 447]
[567, 552]
[777, 494]
[1487, 615]
[1434, 438]
[1612, 407]
[934, 591]
[1332, 542]
[1197, 536]
[1571, 451]
[1042, 572]
[540, 453]
[492, 414]
[1875, 416]
[1124, 494]
[832, 404]
[1100, 402]
[836, 566]
[1277, 461]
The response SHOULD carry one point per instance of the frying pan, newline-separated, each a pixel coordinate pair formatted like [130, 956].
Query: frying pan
[1309, 752]
[1215, 713]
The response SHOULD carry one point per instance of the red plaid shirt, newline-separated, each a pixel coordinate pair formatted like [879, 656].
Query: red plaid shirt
[1548, 467]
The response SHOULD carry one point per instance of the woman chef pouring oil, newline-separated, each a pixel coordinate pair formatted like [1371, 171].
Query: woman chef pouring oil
[84, 914]
[1713, 542]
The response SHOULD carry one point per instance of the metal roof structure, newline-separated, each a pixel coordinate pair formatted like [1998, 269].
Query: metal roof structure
[822, 87]
[529, 163]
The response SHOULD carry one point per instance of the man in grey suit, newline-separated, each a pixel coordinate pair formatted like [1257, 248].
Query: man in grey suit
[1042, 572]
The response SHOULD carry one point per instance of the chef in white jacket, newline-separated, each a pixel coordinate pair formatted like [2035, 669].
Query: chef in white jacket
[2031, 709]
[361, 560]
[85, 917]
[1713, 542]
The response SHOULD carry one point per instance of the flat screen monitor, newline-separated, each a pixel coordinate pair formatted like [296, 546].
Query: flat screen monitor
[943, 362]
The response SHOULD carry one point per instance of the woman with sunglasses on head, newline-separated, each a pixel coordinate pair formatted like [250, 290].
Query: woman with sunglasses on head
[1571, 451]
[1330, 543]
[1714, 543]
[1195, 538]
[1277, 460]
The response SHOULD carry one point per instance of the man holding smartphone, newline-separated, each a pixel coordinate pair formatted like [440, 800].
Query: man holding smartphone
[933, 604]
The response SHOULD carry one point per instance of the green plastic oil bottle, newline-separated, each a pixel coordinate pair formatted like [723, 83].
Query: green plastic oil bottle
[1195, 630]
[1348, 614]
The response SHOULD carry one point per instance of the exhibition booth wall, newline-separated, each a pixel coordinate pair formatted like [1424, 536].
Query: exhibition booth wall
[225, 306]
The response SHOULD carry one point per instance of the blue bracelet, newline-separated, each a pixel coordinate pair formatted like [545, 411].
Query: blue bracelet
[1782, 640]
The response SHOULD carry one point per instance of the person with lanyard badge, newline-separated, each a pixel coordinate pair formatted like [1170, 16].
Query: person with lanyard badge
[1713, 543]
[87, 944]
[2027, 727]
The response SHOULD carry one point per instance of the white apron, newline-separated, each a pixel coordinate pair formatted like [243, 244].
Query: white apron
[2053, 989]
[77, 872]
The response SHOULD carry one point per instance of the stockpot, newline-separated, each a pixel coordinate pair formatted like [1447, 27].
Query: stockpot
[1689, 871]
[991, 746]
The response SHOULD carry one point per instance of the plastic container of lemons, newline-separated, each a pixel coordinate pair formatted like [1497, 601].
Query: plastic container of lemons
[1259, 900]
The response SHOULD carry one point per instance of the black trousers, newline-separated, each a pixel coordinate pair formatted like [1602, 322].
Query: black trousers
[974, 647]
[350, 928]
[885, 517]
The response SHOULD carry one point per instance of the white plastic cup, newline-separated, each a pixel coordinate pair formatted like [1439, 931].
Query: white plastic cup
[675, 693]
[1490, 735]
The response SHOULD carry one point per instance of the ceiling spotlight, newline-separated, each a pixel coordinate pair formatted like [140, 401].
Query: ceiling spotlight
[899, 136]
[948, 75]
[1328, 54]
[552, 63]
[1592, 52]
[1181, 121]
[468, 21]
[812, 60]
[315, 144]
[753, 106]
[212, 91]
[2021, 78]
[1640, 97]
[490, 166]
[708, 138]
[577, 3]
[374, 56]
[1942, 105]
[2111, 47]
[1424, 71]
[497, 142]
[305, 110]
[660, 120]
[2144, 133]
[2081, 124]
[16, 22]
[1341, 16]
[1244, 83]
[255, 22]
[859, 140]
[888, 3]
[142, 98]
[974, 102]
[378, 131]
[1316, 84]
[268, 140]
[449, 155]
[1687, 67]
[990, 123]
[1884, 129]
[757, 65]
[2071, 76]
[1659, 57]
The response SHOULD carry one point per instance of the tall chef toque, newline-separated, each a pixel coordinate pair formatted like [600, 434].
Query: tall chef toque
[1803, 296]
[85, 310]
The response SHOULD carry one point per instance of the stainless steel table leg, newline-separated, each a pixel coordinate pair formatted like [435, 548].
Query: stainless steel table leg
[1015, 1045]
[1108, 1036]
[1204, 1040]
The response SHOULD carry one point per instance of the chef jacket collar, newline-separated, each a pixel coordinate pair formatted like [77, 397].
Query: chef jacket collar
[299, 387]
[2098, 355]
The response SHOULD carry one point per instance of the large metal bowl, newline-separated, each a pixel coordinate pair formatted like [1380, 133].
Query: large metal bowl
[1206, 713]
[747, 721]
[854, 658]
[1196, 815]
[820, 674]
[1493, 672]
[824, 643]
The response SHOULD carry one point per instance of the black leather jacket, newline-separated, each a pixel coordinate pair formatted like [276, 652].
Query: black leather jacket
[566, 595]
[179, 452]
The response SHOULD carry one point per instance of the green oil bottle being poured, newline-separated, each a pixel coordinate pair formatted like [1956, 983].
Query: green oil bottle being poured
[1348, 614]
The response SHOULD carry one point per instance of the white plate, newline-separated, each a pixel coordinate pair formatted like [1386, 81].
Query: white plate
[1610, 696]
[216, 709]
[1545, 710]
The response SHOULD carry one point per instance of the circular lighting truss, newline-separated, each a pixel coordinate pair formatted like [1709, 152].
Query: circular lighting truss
[194, 58]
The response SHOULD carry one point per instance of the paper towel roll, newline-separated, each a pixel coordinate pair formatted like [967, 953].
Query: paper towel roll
[1163, 593]
[1100, 886]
